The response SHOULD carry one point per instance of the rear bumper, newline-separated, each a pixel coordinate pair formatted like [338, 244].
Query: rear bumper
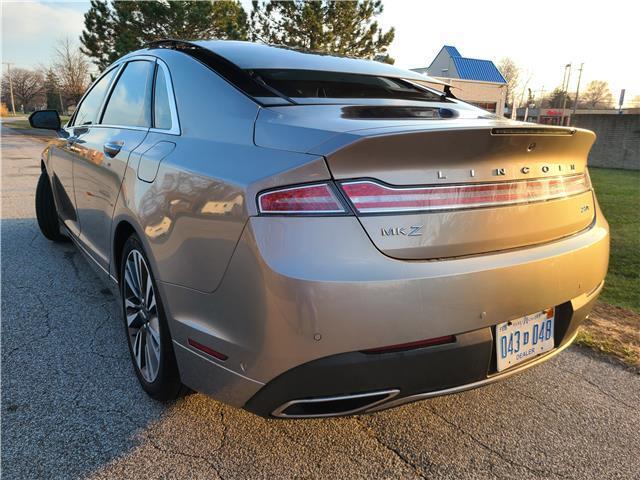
[303, 297]
[404, 377]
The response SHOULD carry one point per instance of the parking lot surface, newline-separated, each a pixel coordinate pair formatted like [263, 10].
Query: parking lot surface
[72, 407]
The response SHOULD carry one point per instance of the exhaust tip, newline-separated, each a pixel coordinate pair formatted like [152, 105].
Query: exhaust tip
[333, 406]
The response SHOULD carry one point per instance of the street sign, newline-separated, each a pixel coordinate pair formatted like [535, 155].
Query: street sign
[621, 101]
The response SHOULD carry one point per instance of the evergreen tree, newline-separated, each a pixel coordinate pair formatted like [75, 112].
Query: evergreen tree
[52, 91]
[336, 27]
[113, 29]
[556, 99]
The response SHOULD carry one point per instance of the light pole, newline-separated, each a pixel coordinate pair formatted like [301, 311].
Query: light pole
[13, 103]
[566, 92]
[575, 105]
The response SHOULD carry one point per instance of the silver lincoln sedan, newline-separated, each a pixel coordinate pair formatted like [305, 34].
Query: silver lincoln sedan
[305, 235]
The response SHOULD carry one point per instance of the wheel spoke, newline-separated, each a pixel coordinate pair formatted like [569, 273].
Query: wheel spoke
[147, 361]
[133, 320]
[137, 348]
[138, 263]
[148, 291]
[151, 306]
[153, 355]
[130, 280]
[154, 332]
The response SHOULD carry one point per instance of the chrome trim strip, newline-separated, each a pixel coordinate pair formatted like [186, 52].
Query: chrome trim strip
[471, 386]
[465, 206]
[119, 127]
[278, 412]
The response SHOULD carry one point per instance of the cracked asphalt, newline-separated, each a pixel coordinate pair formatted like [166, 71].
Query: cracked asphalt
[72, 407]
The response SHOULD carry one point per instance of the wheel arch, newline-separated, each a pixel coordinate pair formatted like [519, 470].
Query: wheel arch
[123, 230]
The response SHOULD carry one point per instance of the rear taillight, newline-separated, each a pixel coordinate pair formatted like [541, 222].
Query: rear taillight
[372, 197]
[305, 199]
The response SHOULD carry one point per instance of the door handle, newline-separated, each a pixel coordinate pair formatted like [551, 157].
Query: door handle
[112, 148]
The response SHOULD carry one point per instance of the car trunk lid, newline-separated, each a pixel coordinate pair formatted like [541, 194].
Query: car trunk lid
[462, 191]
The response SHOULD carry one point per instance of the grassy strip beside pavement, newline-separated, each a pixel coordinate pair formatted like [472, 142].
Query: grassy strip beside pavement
[618, 192]
[23, 123]
[614, 325]
[614, 331]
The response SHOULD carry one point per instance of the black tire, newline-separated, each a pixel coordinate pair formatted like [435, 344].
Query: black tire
[46, 212]
[166, 385]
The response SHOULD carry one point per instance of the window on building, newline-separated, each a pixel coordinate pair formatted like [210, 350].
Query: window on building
[489, 106]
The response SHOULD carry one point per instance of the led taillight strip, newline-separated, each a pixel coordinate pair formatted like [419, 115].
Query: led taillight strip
[303, 199]
[371, 197]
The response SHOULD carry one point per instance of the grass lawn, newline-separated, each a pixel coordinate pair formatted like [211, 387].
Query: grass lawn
[24, 123]
[614, 324]
[618, 192]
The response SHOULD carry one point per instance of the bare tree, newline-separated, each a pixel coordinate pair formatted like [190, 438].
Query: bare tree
[27, 87]
[597, 95]
[72, 70]
[511, 73]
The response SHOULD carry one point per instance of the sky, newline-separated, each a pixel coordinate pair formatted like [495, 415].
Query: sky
[541, 36]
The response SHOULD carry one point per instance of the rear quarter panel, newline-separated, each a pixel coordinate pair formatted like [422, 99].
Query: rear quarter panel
[192, 214]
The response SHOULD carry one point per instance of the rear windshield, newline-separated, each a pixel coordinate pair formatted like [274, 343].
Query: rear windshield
[321, 84]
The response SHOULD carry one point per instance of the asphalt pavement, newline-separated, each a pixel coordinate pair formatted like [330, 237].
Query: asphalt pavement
[72, 407]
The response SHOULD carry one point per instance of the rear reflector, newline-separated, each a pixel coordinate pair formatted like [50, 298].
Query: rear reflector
[207, 350]
[431, 342]
[371, 197]
[303, 199]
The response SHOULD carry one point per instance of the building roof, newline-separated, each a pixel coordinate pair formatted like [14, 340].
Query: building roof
[469, 68]
[474, 69]
[453, 51]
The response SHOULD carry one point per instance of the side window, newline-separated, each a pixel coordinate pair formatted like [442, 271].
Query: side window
[89, 108]
[130, 101]
[161, 108]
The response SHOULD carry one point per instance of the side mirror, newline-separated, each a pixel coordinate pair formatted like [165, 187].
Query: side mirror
[47, 119]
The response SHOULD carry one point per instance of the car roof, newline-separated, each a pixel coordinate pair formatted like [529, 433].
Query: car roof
[258, 56]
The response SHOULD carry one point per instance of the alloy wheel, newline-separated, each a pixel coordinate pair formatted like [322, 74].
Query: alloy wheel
[141, 312]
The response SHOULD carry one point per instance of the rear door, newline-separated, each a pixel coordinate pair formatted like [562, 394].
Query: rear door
[102, 153]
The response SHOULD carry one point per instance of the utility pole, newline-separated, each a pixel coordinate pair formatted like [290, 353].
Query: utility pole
[61, 104]
[564, 81]
[566, 92]
[13, 103]
[575, 105]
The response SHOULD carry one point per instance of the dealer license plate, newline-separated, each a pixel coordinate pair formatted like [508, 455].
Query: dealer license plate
[524, 338]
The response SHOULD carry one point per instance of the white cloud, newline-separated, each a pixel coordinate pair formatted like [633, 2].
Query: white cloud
[31, 29]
